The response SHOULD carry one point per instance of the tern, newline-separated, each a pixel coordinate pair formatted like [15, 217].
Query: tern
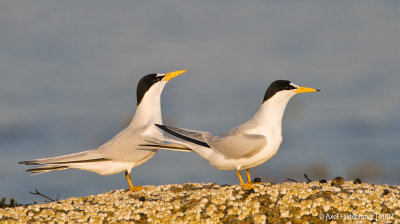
[122, 152]
[243, 147]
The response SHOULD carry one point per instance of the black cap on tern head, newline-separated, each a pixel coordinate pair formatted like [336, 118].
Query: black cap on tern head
[145, 84]
[277, 86]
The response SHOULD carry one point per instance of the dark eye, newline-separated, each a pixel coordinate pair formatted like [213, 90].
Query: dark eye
[158, 78]
[289, 87]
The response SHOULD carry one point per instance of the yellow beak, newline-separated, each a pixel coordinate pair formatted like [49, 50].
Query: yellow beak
[171, 75]
[305, 90]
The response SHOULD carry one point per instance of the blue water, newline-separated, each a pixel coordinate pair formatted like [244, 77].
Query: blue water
[68, 74]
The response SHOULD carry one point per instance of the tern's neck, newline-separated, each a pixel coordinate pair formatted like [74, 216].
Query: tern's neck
[271, 112]
[148, 112]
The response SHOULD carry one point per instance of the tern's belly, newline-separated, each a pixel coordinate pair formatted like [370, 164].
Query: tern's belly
[222, 163]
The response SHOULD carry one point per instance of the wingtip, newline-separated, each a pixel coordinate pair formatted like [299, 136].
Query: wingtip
[44, 169]
[28, 162]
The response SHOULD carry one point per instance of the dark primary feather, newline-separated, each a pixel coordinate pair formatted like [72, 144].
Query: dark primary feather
[168, 146]
[35, 162]
[82, 161]
[44, 169]
[30, 162]
[170, 130]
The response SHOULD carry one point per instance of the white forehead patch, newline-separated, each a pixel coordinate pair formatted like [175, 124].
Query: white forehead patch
[158, 75]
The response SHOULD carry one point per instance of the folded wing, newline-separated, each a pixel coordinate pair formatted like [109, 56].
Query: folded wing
[238, 145]
[234, 145]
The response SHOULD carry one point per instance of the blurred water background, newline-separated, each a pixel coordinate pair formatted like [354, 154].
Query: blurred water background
[69, 70]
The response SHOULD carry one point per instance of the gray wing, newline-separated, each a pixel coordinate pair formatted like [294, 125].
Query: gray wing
[125, 147]
[62, 162]
[186, 134]
[80, 157]
[237, 145]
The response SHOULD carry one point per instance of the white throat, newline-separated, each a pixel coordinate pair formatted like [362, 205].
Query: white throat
[271, 111]
[149, 109]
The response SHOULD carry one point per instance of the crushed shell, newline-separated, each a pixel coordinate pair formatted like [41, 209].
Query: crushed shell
[312, 202]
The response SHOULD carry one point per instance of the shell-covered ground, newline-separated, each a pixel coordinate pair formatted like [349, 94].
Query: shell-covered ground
[287, 202]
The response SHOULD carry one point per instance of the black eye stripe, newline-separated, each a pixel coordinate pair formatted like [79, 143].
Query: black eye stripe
[277, 86]
[145, 84]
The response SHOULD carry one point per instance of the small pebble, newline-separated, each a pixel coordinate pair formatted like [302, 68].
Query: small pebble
[337, 181]
[386, 192]
[357, 181]
[142, 198]
[257, 180]
[323, 181]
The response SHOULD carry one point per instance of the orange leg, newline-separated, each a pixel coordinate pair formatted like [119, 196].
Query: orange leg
[248, 176]
[131, 187]
[247, 186]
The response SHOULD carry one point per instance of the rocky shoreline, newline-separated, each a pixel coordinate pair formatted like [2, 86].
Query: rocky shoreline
[287, 202]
